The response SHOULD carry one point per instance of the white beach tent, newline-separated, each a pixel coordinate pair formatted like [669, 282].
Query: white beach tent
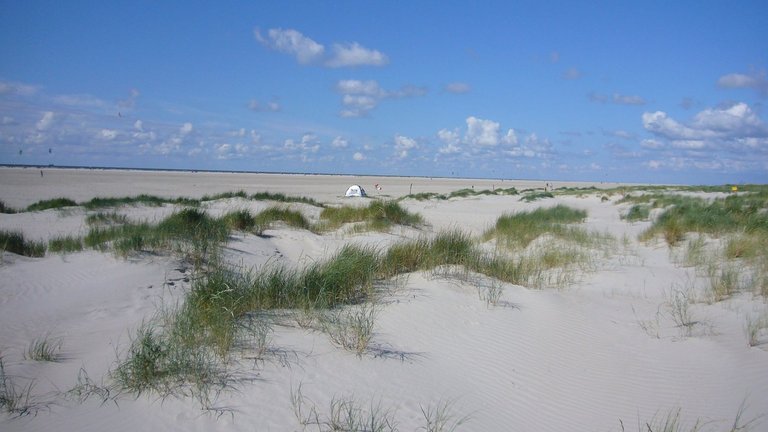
[355, 191]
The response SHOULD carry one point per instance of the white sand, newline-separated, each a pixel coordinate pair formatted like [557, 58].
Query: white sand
[550, 360]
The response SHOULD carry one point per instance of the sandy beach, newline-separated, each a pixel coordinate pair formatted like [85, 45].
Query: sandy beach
[597, 348]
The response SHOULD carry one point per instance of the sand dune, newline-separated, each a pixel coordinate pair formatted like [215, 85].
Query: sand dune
[574, 357]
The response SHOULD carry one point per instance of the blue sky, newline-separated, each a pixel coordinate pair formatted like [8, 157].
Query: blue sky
[597, 91]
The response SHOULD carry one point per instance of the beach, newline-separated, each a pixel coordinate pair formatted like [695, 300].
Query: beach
[595, 346]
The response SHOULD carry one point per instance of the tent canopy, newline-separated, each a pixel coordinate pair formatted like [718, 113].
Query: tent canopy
[355, 191]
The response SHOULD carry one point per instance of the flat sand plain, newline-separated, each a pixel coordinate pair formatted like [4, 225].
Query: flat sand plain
[601, 352]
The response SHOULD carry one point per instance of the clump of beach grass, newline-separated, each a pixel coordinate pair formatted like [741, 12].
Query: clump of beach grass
[265, 218]
[189, 232]
[535, 196]
[106, 218]
[157, 362]
[377, 216]
[520, 229]
[638, 212]
[65, 244]
[54, 203]
[441, 418]
[14, 241]
[15, 400]
[6, 209]
[44, 349]
[351, 327]
[754, 326]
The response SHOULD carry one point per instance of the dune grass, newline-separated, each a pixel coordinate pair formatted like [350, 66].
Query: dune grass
[65, 244]
[54, 203]
[638, 212]
[14, 241]
[44, 349]
[16, 400]
[377, 216]
[106, 218]
[535, 196]
[735, 213]
[520, 229]
[6, 209]
[157, 362]
[461, 193]
[189, 232]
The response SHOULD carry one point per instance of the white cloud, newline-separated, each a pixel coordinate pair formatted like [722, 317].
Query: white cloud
[403, 145]
[451, 140]
[272, 106]
[307, 51]
[458, 87]
[654, 164]
[358, 156]
[45, 122]
[621, 99]
[16, 88]
[482, 132]
[510, 138]
[354, 54]
[307, 144]
[339, 142]
[757, 82]
[360, 97]
[370, 87]
[186, 128]
[107, 134]
[291, 42]
[661, 124]
[735, 122]
[138, 125]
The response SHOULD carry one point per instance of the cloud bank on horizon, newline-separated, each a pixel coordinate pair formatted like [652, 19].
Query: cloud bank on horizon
[570, 91]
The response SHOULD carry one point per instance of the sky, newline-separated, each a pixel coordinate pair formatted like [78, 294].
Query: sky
[629, 91]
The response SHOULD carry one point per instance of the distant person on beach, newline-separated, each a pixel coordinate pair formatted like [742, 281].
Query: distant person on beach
[41, 173]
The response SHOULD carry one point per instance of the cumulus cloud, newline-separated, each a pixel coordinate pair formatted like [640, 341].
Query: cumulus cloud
[735, 124]
[292, 42]
[403, 145]
[185, 129]
[458, 88]
[756, 82]
[339, 142]
[307, 144]
[358, 156]
[307, 51]
[482, 132]
[107, 134]
[354, 54]
[360, 97]
[451, 139]
[45, 122]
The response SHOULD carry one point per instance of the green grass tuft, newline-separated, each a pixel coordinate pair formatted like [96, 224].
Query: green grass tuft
[377, 216]
[535, 196]
[14, 241]
[51, 204]
[65, 244]
[7, 210]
